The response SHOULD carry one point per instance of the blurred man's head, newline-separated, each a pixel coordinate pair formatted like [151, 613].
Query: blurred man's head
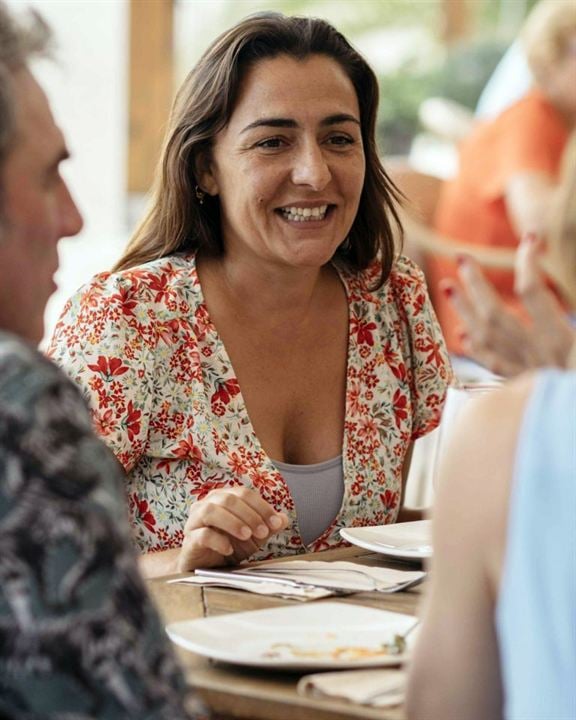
[36, 209]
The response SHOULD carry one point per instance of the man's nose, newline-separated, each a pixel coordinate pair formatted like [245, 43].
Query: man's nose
[311, 168]
[71, 221]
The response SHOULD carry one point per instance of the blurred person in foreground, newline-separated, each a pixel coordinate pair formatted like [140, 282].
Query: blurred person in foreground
[510, 166]
[260, 360]
[491, 333]
[499, 633]
[78, 635]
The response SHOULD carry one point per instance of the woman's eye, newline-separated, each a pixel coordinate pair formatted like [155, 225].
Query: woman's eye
[341, 140]
[270, 143]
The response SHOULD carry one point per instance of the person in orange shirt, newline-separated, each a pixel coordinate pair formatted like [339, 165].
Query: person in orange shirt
[509, 166]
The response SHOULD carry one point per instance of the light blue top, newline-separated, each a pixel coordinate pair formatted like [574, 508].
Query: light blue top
[536, 613]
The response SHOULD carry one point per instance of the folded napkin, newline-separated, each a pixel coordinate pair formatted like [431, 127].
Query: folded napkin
[258, 586]
[308, 580]
[340, 576]
[379, 687]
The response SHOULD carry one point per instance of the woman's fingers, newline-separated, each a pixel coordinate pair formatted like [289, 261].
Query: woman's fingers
[227, 526]
[240, 512]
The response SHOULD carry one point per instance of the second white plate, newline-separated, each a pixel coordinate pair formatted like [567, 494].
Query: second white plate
[409, 541]
[305, 637]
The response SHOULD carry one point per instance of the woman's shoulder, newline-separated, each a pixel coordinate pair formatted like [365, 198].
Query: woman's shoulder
[166, 273]
[166, 282]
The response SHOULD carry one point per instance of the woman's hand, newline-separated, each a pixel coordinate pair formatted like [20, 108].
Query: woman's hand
[227, 526]
[493, 335]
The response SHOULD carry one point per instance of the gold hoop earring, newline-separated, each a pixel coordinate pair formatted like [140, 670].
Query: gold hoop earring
[200, 194]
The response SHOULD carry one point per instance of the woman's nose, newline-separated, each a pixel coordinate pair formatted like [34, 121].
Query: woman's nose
[311, 168]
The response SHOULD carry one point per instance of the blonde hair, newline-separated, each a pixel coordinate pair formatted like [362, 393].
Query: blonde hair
[546, 34]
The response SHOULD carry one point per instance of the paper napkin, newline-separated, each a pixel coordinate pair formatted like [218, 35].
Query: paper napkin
[379, 687]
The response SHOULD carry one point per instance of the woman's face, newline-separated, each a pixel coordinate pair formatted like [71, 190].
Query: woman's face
[289, 166]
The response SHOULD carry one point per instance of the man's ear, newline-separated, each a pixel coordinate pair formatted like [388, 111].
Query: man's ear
[205, 175]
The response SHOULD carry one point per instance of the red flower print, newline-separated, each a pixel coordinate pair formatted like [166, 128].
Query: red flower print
[419, 302]
[103, 422]
[390, 356]
[363, 331]
[187, 449]
[367, 428]
[132, 421]
[262, 480]
[126, 300]
[208, 486]
[218, 408]
[399, 407]
[202, 324]
[434, 349]
[237, 463]
[389, 499]
[109, 368]
[159, 284]
[168, 331]
[226, 390]
[143, 512]
[399, 371]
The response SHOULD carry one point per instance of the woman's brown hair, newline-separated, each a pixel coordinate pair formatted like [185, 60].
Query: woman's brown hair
[177, 222]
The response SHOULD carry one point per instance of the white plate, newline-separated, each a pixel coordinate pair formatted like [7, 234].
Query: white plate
[304, 637]
[409, 541]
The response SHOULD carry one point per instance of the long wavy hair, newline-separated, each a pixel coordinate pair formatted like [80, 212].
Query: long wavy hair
[177, 222]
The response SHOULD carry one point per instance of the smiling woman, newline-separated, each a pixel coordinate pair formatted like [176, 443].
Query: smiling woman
[273, 360]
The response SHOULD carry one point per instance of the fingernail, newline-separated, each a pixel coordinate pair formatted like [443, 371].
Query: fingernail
[275, 522]
[245, 533]
[261, 531]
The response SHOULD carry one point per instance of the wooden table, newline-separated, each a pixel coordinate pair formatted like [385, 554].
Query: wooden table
[234, 692]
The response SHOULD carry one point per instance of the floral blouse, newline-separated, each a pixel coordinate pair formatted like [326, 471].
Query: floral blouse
[165, 398]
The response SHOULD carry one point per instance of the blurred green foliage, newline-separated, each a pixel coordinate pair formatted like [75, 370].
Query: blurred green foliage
[461, 77]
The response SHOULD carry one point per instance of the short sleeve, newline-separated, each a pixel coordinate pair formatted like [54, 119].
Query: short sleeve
[427, 362]
[527, 138]
[104, 341]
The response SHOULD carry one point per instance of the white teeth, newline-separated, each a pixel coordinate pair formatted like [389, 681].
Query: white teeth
[298, 214]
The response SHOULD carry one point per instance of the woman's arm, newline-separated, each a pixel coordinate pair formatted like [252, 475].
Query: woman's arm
[529, 198]
[493, 335]
[455, 672]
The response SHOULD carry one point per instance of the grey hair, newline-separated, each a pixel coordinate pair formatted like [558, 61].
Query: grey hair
[20, 40]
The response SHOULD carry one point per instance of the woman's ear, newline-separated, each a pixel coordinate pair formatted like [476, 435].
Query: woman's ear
[206, 176]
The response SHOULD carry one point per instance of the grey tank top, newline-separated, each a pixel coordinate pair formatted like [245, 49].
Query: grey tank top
[317, 491]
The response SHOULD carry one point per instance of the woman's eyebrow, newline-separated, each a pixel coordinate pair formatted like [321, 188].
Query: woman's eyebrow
[279, 122]
[339, 118]
[271, 122]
